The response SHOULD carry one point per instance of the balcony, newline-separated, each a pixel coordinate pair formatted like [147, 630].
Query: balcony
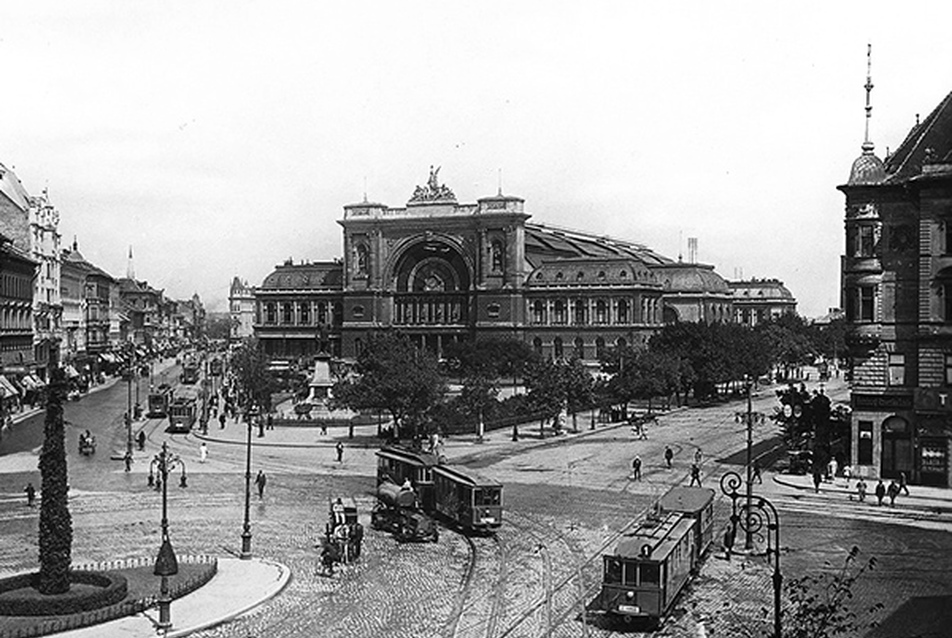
[431, 309]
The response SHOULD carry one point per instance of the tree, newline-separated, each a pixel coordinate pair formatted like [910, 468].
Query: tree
[395, 375]
[250, 366]
[56, 524]
[219, 327]
[579, 389]
[641, 374]
[809, 422]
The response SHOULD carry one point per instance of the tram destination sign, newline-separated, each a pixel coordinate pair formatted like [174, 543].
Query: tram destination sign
[881, 402]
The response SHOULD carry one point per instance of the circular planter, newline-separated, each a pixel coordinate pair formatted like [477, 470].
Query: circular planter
[93, 590]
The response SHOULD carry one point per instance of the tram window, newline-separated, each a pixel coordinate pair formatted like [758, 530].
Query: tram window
[650, 574]
[612, 570]
[631, 574]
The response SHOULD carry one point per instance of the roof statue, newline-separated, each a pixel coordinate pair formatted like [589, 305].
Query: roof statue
[433, 191]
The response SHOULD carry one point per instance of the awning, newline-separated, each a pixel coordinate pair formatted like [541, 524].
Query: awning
[40, 383]
[6, 388]
[70, 372]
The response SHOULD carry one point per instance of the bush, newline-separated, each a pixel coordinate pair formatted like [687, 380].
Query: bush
[19, 597]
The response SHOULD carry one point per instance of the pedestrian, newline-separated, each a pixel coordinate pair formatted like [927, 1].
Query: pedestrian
[327, 560]
[141, 440]
[30, 494]
[668, 455]
[221, 420]
[832, 468]
[698, 456]
[861, 490]
[202, 452]
[337, 509]
[880, 492]
[340, 452]
[892, 492]
[323, 426]
[695, 475]
[260, 481]
[636, 468]
[757, 472]
[128, 461]
[902, 483]
[817, 479]
[270, 421]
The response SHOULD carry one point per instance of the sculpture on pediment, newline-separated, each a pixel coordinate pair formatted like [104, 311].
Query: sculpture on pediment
[433, 191]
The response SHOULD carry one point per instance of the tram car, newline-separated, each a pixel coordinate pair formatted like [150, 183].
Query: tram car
[343, 535]
[398, 465]
[159, 400]
[396, 512]
[469, 500]
[183, 411]
[190, 373]
[651, 564]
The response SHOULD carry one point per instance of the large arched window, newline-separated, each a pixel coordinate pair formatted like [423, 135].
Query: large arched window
[362, 255]
[599, 347]
[305, 313]
[601, 311]
[579, 314]
[557, 348]
[538, 312]
[622, 311]
[579, 348]
[559, 312]
[537, 345]
[287, 313]
[270, 313]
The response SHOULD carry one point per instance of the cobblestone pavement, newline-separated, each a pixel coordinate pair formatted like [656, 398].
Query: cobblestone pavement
[566, 498]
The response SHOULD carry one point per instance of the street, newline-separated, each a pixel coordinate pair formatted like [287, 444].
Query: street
[565, 500]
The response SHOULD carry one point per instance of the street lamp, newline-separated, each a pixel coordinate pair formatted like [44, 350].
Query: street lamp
[759, 517]
[749, 418]
[128, 416]
[165, 563]
[246, 532]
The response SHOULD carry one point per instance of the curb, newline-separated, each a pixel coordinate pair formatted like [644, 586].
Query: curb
[284, 578]
[946, 508]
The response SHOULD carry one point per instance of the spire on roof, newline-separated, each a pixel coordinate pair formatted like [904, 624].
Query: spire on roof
[868, 145]
[75, 243]
[130, 268]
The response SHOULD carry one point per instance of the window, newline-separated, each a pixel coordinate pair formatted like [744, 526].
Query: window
[559, 311]
[650, 573]
[864, 454]
[557, 347]
[861, 241]
[612, 570]
[860, 303]
[897, 369]
[622, 311]
[271, 313]
[322, 313]
[492, 310]
[358, 312]
[537, 345]
[305, 312]
[287, 313]
[579, 348]
[579, 312]
[599, 347]
[946, 291]
[538, 312]
[601, 311]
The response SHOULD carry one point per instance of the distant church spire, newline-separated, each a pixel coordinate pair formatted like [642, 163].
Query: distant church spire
[867, 144]
[130, 268]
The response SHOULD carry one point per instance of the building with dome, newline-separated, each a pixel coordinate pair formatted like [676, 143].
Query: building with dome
[444, 271]
[760, 300]
[896, 288]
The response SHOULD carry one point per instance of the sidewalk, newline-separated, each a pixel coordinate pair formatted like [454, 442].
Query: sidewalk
[237, 588]
[921, 498]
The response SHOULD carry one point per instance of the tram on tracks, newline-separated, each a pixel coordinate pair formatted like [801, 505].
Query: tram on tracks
[466, 499]
[652, 563]
[183, 412]
[471, 501]
[159, 400]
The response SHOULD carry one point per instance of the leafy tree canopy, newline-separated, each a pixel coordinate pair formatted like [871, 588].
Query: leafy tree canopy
[250, 366]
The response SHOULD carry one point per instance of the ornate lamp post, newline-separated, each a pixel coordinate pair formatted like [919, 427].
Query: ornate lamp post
[749, 418]
[246, 531]
[757, 517]
[127, 374]
[165, 563]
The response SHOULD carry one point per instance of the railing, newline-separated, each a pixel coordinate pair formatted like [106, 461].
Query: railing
[427, 309]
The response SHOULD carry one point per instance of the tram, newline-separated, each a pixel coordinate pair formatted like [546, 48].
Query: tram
[398, 464]
[471, 501]
[190, 372]
[651, 564]
[159, 401]
[183, 411]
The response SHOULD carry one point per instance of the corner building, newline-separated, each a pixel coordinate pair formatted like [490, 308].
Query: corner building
[442, 272]
[897, 292]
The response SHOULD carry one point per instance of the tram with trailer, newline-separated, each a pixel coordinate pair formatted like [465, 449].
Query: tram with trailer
[159, 400]
[398, 464]
[469, 500]
[652, 563]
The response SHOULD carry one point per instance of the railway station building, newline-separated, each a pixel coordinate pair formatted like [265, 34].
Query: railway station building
[443, 271]
[896, 288]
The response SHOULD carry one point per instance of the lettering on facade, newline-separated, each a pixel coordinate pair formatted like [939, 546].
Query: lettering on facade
[933, 400]
[880, 402]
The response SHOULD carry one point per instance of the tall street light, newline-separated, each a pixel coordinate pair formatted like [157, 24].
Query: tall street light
[128, 416]
[165, 563]
[758, 517]
[749, 418]
[246, 532]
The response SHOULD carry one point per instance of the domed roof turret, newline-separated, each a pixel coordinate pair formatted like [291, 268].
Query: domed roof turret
[867, 168]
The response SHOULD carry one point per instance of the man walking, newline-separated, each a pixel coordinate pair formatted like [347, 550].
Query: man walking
[636, 468]
[202, 452]
[261, 480]
[880, 492]
[892, 492]
[902, 484]
[695, 475]
[340, 452]
[30, 494]
[221, 420]
[668, 455]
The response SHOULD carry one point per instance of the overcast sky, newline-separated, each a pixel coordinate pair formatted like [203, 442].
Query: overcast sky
[220, 138]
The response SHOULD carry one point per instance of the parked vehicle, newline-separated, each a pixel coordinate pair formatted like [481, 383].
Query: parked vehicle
[396, 512]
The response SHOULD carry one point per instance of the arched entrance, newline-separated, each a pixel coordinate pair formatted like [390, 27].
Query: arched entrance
[897, 448]
[432, 283]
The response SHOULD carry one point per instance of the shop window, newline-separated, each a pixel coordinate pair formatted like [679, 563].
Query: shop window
[897, 369]
[865, 449]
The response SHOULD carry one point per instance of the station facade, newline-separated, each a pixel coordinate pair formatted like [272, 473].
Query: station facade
[442, 271]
